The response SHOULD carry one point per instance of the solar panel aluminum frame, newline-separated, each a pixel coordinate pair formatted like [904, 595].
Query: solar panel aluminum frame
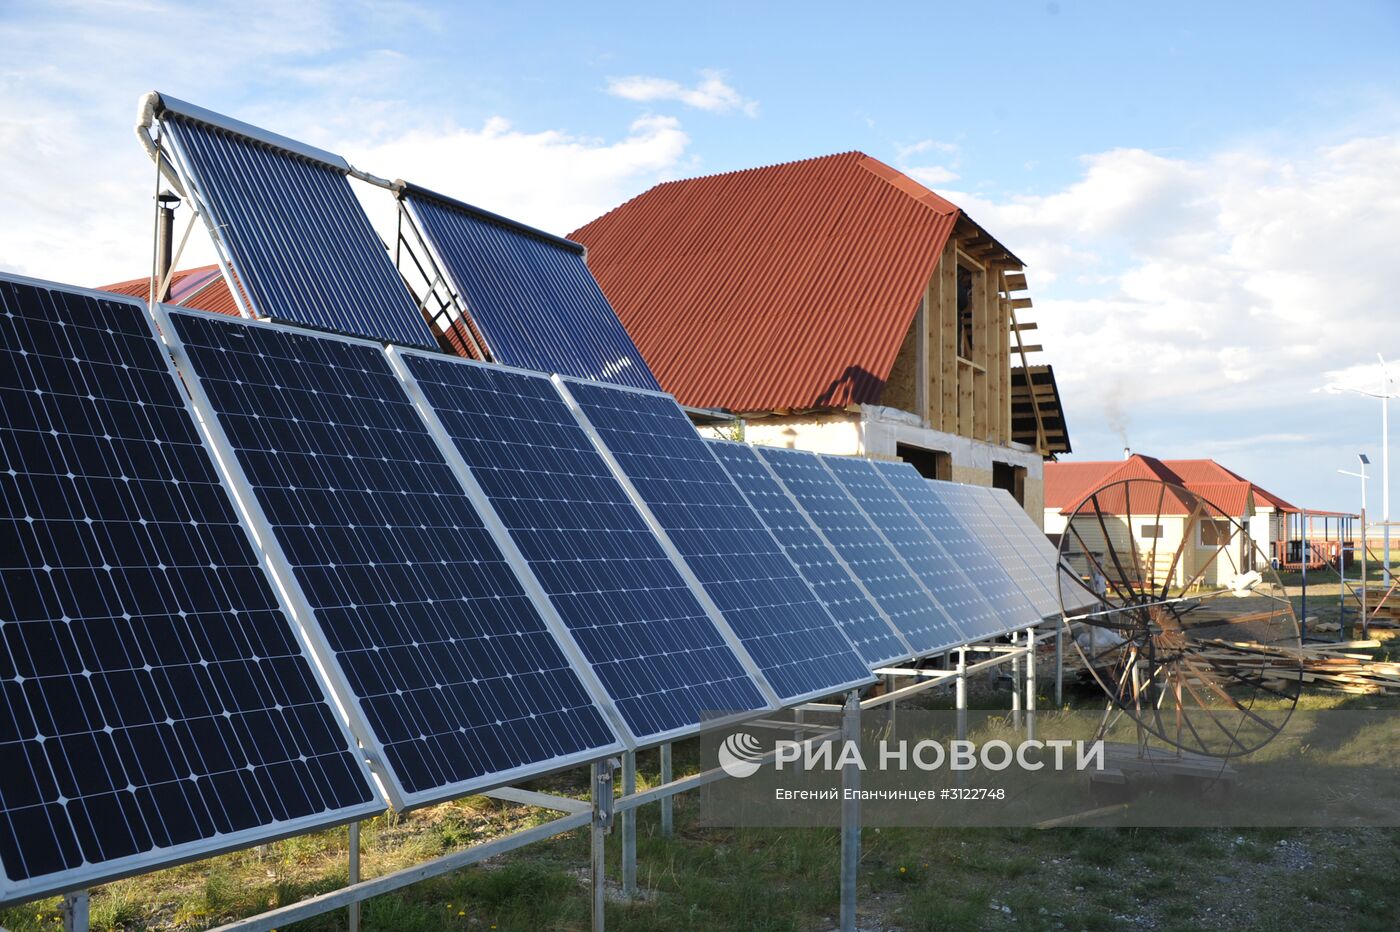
[92, 874]
[284, 574]
[933, 599]
[561, 384]
[909, 653]
[489, 515]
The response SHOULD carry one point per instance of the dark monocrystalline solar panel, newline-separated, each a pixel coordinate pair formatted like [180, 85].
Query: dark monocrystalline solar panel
[789, 634]
[658, 654]
[849, 604]
[972, 616]
[978, 509]
[980, 551]
[455, 674]
[886, 577]
[1037, 551]
[155, 702]
[297, 237]
[529, 294]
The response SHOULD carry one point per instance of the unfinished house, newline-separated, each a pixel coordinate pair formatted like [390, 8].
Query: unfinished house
[837, 305]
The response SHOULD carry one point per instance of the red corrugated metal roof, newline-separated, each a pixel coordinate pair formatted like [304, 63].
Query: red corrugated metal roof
[202, 289]
[1067, 484]
[785, 287]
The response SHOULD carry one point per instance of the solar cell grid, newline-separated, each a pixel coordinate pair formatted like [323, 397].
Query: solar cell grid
[982, 512]
[156, 704]
[790, 635]
[861, 618]
[1039, 552]
[970, 615]
[978, 548]
[886, 577]
[453, 672]
[656, 651]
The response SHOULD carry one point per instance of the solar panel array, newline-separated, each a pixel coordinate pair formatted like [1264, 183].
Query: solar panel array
[155, 701]
[786, 629]
[865, 624]
[975, 546]
[456, 676]
[888, 579]
[529, 294]
[660, 657]
[299, 243]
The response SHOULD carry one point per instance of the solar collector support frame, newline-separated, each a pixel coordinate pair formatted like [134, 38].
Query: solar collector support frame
[157, 858]
[283, 570]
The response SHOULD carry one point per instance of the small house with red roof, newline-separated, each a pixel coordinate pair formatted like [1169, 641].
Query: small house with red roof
[1160, 525]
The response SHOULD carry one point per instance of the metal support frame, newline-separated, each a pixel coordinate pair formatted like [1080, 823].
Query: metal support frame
[75, 911]
[850, 814]
[629, 826]
[667, 803]
[1030, 684]
[1016, 682]
[353, 876]
[600, 824]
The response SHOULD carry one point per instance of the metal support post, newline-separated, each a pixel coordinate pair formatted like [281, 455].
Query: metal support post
[850, 815]
[75, 911]
[667, 805]
[1016, 682]
[889, 688]
[1060, 663]
[629, 826]
[960, 703]
[602, 798]
[353, 876]
[1030, 684]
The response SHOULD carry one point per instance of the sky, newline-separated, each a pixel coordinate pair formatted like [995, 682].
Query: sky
[1207, 195]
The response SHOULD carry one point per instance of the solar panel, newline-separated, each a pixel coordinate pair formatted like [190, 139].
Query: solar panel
[291, 229]
[156, 703]
[888, 579]
[972, 616]
[979, 549]
[978, 509]
[659, 656]
[529, 293]
[1039, 552]
[452, 676]
[786, 630]
[858, 615]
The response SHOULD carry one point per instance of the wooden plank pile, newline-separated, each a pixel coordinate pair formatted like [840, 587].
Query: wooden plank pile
[1337, 667]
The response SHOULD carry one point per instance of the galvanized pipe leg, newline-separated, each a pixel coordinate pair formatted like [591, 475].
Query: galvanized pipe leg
[666, 803]
[75, 911]
[960, 693]
[889, 688]
[1030, 684]
[1016, 682]
[353, 876]
[850, 816]
[1060, 664]
[629, 826]
[602, 798]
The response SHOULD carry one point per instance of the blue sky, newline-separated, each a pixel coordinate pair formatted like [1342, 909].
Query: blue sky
[1208, 195]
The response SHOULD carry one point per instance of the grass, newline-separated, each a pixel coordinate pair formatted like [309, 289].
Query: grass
[788, 879]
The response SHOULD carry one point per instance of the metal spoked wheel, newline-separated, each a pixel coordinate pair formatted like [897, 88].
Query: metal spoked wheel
[1189, 632]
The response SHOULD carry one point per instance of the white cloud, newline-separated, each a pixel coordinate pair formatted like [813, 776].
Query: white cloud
[912, 159]
[712, 93]
[1210, 298]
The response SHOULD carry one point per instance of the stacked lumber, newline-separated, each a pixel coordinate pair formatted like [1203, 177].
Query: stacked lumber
[1337, 667]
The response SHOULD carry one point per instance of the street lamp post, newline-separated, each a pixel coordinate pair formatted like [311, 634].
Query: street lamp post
[1365, 621]
[1384, 395]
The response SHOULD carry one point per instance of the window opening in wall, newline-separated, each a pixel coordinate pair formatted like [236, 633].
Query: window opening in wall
[931, 464]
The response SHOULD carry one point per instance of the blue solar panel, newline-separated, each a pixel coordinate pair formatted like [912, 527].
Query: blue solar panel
[156, 704]
[530, 294]
[852, 607]
[296, 236]
[1035, 549]
[895, 588]
[971, 614]
[787, 631]
[454, 674]
[658, 654]
[979, 550]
